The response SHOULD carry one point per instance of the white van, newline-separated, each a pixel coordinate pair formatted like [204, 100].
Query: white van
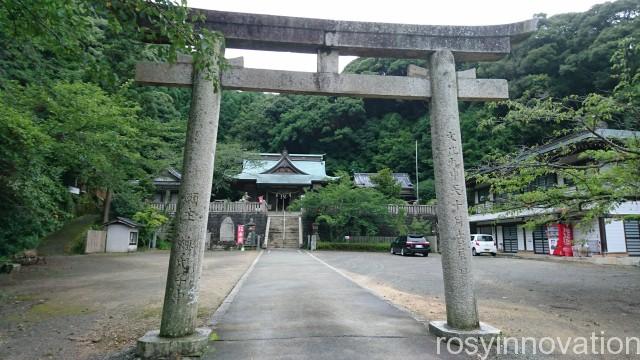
[483, 243]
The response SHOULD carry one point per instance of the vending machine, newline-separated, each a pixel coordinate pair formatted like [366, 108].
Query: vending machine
[560, 238]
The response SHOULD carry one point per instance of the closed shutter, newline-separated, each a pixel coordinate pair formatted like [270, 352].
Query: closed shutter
[632, 237]
[540, 241]
[510, 238]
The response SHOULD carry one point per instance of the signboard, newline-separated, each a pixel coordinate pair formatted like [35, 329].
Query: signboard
[553, 238]
[240, 235]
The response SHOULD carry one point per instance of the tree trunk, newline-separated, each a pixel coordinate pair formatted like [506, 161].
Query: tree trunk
[107, 206]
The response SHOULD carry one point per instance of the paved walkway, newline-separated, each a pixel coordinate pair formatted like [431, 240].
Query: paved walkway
[294, 307]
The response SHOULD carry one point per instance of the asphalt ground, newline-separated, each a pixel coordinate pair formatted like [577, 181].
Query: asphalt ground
[293, 306]
[522, 297]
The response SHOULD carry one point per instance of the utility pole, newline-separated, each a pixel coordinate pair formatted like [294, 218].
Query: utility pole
[417, 183]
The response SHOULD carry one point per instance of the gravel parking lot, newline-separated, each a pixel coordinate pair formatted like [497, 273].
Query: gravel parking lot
[521, 297]
[95, 306]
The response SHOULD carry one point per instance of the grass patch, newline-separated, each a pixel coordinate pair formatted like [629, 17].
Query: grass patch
[376, 247]
[149, 312]
[48, 310]
[204, 312]
[25, 297]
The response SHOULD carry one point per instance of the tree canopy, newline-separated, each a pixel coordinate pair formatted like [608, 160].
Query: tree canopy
[71, 114]
[348, 210]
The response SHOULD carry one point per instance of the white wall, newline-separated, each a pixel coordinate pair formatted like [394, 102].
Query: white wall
[529, 239]
[591, 233]
[499, 238]
[615, 236]
[118, 238]
[520, 238]
[627, 208]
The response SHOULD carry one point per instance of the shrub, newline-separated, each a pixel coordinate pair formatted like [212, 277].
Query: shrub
[378, 247]
[163, 245]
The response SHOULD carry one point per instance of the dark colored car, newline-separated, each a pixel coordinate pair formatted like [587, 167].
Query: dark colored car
[410, 245]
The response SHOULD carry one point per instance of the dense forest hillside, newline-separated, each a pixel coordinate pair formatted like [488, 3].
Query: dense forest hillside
[569, 55]
[70, 113]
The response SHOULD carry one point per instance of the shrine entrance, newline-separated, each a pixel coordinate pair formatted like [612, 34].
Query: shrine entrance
[439, 84]
[280, 179]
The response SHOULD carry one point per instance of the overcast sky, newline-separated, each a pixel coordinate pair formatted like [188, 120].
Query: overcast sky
[428, 12]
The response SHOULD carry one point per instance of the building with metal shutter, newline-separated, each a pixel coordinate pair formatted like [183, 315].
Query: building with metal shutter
[613, 233]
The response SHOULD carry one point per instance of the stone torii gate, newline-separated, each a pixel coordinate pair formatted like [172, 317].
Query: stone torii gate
[439, 84]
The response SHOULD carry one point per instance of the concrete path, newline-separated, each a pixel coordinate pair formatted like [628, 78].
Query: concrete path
[292, 306]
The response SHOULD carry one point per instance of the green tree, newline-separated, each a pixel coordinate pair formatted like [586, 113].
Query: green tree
[69, 113]
[32, 202]
[229, 157]
[386, 184]
[151, 220]
[420, 227]
[346, 209]
[602, 178]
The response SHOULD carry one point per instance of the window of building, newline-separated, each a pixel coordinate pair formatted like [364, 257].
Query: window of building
[500, 198]
[569, 182]
[544, 182]
[483, 195]
[133, 238]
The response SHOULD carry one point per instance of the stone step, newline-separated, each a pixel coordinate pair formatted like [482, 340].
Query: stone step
[279, 223]
[287, 228]
[287, 231]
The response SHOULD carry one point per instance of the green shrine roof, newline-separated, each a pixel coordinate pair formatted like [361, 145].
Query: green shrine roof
[284, 169]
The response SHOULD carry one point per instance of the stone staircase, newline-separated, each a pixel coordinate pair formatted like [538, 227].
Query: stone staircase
[287, 225]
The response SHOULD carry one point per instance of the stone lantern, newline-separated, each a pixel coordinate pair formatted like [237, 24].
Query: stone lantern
[252, 238]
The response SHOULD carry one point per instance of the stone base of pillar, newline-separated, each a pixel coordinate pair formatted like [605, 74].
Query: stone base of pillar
[442, 330]
[152, 346]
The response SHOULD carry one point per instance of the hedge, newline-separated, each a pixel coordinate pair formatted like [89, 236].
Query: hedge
[324, 245]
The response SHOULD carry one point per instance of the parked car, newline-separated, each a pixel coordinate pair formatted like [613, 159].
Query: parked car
[483, 244]
[410, 245]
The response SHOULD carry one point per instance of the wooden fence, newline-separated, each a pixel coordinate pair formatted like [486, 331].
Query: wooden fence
[96, 241]
[363, 239]
[219, 207]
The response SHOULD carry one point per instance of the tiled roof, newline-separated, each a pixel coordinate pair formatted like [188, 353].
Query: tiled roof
[580, 137]
[312, 167]
[125, 221]
[364, 180]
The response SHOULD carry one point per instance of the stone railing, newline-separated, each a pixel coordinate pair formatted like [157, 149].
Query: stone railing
[413, 210]
[219, 207]
[237, 207]
[168, 207]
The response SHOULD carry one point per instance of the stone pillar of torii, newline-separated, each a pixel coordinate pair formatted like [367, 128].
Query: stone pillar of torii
[440, 84]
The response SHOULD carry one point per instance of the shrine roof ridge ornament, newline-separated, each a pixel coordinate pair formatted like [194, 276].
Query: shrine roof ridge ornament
[307, 35]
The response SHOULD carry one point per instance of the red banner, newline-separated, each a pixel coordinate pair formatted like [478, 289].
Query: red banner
[240, 235]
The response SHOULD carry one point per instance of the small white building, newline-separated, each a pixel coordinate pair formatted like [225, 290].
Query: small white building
[122, 235]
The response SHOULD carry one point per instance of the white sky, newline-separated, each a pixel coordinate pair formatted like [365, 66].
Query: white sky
[428, 12]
